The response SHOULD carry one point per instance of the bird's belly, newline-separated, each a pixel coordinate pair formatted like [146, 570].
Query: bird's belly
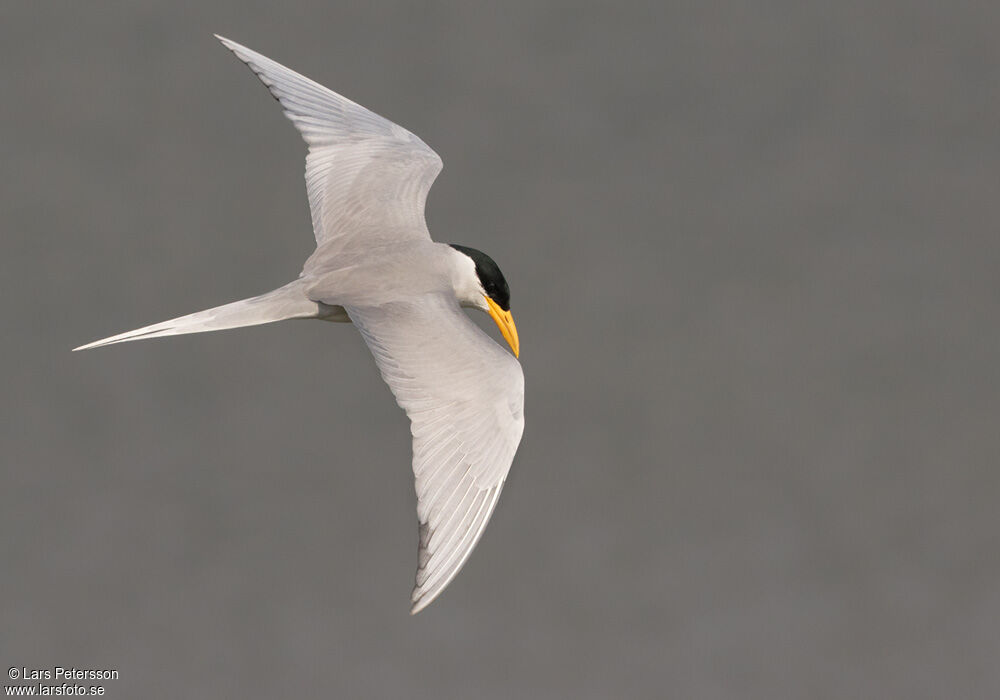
[330, 312]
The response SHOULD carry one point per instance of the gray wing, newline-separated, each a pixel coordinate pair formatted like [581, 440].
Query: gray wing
[464, 395]
[367, 178]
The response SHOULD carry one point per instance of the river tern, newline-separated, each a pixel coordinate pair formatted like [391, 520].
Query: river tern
[376, 266]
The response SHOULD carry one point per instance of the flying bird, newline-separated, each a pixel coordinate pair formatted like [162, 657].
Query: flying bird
[376, 266]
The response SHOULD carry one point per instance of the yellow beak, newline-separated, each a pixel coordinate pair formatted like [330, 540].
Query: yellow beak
[505, 322]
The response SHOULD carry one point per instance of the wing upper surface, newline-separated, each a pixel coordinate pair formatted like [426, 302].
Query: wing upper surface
[464, 396]
[367, 178]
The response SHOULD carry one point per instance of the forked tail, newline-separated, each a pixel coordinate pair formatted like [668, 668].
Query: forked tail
[286, 302]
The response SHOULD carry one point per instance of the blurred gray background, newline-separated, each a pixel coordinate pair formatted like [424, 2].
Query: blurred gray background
[754, 258]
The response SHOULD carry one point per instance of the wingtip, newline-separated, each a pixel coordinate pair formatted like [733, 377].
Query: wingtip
[422, 597]
[228, 43]
[419, 605]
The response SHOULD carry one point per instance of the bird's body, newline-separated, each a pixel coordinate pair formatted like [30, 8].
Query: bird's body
[376, 266]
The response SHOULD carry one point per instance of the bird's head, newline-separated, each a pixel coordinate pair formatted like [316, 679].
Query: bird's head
[482, 286]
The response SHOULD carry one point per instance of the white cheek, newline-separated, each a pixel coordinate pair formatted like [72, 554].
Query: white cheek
[472, 298]
[468, 290]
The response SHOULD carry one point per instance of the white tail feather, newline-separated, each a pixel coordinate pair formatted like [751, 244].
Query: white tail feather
[286, 302]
